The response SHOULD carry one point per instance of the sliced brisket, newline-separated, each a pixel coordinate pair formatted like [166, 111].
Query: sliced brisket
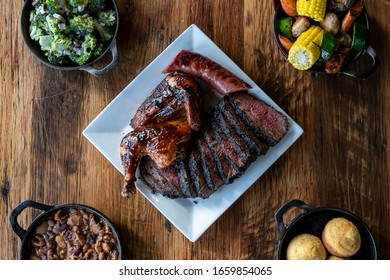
[166, 187]
[148, 178]
[268, 124]
[227, 169]
[229, 147]
[171, 174]
[246, 132]
[237, 141]
[186, 183]
[210, 170]
[197, 173]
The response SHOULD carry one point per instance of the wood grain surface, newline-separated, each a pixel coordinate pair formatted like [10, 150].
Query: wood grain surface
[341, 160]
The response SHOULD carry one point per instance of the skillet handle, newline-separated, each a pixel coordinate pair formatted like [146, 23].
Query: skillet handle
[108, 68]
[374, 64]
[281, 228]
[13, 217]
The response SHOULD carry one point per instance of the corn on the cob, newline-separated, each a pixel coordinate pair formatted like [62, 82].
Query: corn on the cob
[314, 9]
[306, 51]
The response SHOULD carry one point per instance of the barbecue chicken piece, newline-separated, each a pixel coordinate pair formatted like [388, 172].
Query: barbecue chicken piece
[175, 93]
[162, 126]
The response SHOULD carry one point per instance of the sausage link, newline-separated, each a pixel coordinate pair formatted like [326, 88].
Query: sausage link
[337, 61]
[208, 70]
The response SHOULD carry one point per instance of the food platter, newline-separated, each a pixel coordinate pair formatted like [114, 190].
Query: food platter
[192, 217]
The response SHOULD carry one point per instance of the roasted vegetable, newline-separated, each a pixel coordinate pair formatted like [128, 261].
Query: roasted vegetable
[289, 7]
[331, 23]
[285, 26]
[350, 16]
[286, 43]
[323, 34]
[300, 25]
[306, 51]
[344, 40]
[314, 9]
[328, 46]
[359, 38]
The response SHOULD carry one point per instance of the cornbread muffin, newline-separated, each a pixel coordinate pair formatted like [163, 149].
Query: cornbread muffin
[305, 247]
[341, 238]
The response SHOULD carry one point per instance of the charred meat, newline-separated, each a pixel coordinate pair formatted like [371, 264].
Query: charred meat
[241, 128]
[162, 126]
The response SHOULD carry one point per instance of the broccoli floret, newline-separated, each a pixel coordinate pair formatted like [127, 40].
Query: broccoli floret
[81, 25]
[78, 6]
[104, 32]
[107, 18]
[38, 20]
[82, 54]
[52, 24]
[41, 8]
[35, 3]
[89, 43]
[56, 6]
[55, 60]
[34, 17]
[36, 32]
[80, 59]
[96, 5]
[61, 44]
[38, 25]
[99, 49]
[45, 42]
[56, 45]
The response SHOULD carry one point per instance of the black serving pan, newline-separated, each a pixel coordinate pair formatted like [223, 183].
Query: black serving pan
[49, 210]
[346, 70]
[312, 221]
[38, 53]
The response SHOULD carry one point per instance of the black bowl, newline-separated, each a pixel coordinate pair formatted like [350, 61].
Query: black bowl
[363, 19]
[48, 211]
[313, 221]
[39, 54]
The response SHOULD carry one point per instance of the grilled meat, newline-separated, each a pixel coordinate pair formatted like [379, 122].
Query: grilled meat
[267, 123]
[162, 128]
[241, 128]
[218, 77]
[175, 93]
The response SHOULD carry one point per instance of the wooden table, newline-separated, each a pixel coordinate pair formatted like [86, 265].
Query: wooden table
[341, 160]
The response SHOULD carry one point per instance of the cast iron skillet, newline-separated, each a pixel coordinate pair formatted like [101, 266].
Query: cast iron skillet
[36, 49]
[312, 221]
[48, 210]
[363, 19]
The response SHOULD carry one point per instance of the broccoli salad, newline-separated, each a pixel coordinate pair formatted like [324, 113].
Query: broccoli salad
[71, 30]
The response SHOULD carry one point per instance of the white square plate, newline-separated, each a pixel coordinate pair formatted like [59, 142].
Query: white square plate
[191, 216]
